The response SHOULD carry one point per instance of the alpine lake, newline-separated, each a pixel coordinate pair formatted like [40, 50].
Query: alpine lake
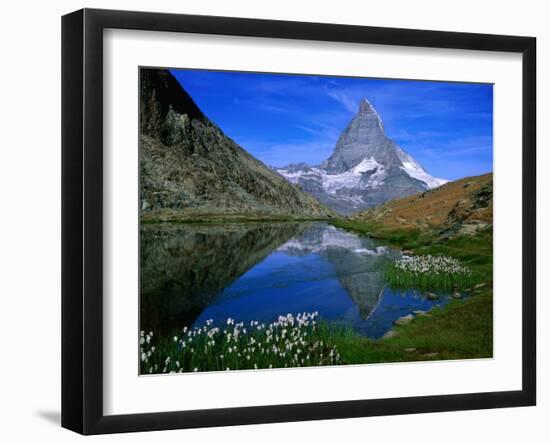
[192, 273]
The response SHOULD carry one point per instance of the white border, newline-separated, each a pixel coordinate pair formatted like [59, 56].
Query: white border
[125, 392]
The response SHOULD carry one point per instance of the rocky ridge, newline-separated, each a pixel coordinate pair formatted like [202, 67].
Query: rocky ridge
[189, 168]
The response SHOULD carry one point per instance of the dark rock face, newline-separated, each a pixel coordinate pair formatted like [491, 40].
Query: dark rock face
[366, 168]
[189, 167]
[161, 99]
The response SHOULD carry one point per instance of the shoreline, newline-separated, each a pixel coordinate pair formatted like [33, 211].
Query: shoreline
[460, 330]
[217, 219]
[466, 324]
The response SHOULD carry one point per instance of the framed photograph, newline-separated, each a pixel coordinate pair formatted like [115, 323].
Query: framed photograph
[269, 221]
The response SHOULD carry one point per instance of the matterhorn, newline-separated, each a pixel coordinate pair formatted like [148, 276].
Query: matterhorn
[365, 169]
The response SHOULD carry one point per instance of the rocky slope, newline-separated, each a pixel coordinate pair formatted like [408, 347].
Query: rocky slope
[366, 168]
[460, 207]
[189, 168]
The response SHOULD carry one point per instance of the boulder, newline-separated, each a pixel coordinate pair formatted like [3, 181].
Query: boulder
[432, 296]
[404, 320]
[390, 334]
[420, 312]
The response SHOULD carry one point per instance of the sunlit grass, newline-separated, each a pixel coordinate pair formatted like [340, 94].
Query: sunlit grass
[462, 329]
[291, 341]
[430, 272]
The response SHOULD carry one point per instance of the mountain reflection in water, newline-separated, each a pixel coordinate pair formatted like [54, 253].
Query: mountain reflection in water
[257, 271]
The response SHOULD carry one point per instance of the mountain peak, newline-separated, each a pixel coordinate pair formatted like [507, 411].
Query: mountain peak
[365, 169]
[367, 110]
[363, 138]
[365, 106]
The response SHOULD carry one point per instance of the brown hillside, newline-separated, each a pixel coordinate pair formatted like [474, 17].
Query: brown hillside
[461, 206]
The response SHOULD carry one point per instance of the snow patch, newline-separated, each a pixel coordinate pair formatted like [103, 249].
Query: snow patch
[423, 176]
[366, 165]
[414, 170]
[350, 179]
[294, 177]
[330, 239]
[380, 250]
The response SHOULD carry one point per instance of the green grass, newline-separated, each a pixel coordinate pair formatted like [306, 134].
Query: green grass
[473, 251]
[463, 329]
[430, 272]
[432, 281]
[358, 228]
[288, 342]
[401, 238]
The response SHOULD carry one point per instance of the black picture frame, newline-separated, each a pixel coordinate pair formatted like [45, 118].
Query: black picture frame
[82, 220]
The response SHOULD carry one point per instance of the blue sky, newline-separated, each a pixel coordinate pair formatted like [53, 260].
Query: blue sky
[281, 119]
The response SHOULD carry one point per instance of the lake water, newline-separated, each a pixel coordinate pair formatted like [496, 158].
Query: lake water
[257, 271]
